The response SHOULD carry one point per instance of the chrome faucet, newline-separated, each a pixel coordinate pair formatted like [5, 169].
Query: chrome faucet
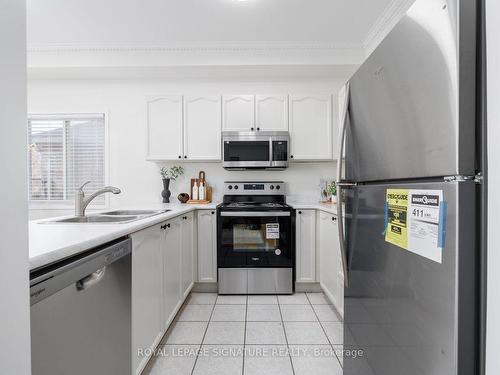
[81, 202]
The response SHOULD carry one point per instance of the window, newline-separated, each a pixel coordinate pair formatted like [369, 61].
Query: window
[64, 151]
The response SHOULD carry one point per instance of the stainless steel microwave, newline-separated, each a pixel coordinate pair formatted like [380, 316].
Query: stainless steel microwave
[255, 150]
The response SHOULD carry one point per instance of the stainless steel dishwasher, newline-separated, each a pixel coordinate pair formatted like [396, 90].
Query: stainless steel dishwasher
[81, 314]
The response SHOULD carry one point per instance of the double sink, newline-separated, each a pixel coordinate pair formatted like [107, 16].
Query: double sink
[117, 216]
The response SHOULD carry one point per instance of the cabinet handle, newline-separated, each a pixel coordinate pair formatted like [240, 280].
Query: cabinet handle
[291, 156]
[251, 129]
[300, 212]
[164, 227]
[258, 129]
[180, 157]
[185, 156]
[334, 218]
[213, 212]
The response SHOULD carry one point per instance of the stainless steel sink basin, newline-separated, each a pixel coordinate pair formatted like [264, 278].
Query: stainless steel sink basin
[117, 216]
[96, 219]
[134, 212]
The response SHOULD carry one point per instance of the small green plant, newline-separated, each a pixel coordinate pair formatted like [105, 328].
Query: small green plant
[171, 173]
[331, 188]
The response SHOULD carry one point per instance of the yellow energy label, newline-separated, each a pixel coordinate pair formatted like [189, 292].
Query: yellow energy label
[397, 217]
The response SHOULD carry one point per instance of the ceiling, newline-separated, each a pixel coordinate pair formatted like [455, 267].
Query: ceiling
[160, 22]
[92, 37]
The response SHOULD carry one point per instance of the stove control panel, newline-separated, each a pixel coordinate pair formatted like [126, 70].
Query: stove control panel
[254, 188]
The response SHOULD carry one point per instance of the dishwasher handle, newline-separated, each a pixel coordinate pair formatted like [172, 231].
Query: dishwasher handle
[90, 280]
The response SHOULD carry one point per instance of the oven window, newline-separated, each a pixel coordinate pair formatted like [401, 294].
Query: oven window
[254, 237]
[246, 151]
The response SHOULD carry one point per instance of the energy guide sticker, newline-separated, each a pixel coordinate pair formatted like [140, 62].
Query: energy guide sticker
[416, 221]
[397, 217]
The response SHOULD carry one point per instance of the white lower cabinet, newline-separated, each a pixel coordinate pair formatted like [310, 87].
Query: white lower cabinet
[147, 327]
[187, 254]
[330, 269]
[162, 277]
[172, 245]
[306, 245]
[207, 246]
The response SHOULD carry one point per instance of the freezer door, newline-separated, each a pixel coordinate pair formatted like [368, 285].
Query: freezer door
[412, 103]
[403, 313]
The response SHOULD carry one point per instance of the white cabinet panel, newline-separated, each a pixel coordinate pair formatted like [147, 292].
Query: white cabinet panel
[310, 126]
[271, 112]
[330, 273]
[202, 127]
[207, 246]
[164, 119]
[171, 269]
[147, 327]
[238, 112]
[187, 254]
[306, 245]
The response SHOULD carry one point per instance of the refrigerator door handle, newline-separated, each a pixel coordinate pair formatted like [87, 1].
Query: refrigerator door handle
[340, 185]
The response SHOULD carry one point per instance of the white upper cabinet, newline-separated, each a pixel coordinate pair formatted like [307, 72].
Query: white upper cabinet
[271, 112]
[238, 112]
[164, 119]
[202, 127]
[310, 125]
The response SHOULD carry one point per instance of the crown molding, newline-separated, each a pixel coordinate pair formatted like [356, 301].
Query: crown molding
[391, 15]
[189, 47]
[192, 54]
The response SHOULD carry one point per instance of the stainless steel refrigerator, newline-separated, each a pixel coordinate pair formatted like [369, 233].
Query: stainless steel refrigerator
[410, 122]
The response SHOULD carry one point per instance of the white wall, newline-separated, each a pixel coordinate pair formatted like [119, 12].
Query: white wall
[124, 102]
[14, 306]
[493, 61]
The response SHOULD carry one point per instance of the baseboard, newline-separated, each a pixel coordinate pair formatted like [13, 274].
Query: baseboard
[205, 287]
[308, 287]
[333, 301]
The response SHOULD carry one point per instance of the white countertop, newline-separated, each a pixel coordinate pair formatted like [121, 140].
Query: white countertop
[50, 243]
[330, 208]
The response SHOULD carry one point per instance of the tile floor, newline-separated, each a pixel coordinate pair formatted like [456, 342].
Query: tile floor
[247, 335]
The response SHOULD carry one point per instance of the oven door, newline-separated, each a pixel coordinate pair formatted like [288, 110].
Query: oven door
[246, 154]
[255, 239]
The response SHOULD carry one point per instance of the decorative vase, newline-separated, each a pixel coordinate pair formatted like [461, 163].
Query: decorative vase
[166, 193]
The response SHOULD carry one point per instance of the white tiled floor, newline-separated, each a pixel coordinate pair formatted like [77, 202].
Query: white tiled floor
[247, 335]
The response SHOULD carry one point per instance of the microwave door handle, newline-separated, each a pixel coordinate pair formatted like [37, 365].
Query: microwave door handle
[340, 214]
[271, 154]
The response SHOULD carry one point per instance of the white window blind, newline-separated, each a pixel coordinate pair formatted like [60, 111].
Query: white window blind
[64, 151]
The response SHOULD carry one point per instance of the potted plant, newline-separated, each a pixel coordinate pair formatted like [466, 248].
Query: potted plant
[331, 188]
[168, 174]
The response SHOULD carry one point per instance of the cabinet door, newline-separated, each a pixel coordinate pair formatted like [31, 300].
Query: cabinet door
[207, 246]
[187, 256]
[164, 128]
[238, 112]
[330, 260]
[147, 327]
[202, 126]
[271, 112]
[311, 127]
[306, 245]
[172, 244]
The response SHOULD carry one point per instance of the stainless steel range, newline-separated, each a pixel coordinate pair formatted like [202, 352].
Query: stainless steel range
[255, 246]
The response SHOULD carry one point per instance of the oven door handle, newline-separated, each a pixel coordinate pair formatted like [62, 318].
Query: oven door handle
[254, 213]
